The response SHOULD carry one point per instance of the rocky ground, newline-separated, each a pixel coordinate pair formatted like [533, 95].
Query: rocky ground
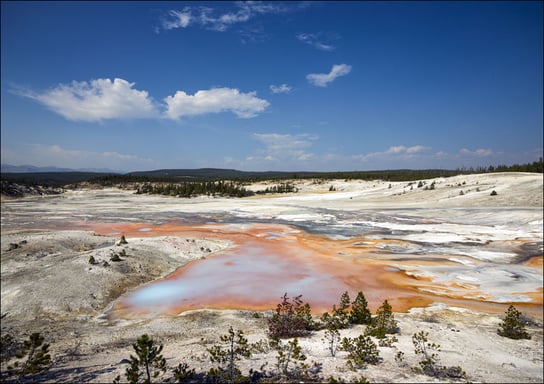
[48, 285]
[11, 189]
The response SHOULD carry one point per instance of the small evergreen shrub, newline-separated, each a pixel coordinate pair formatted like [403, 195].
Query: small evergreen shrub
[8, 346]
[512, 326]
[388, 341]
[429, 362]
[292, 319]
[148, 362]
[332, 339]
[399, 358]
[360, 380]
[291, 362]
[341, 313]
[384, 322]
[183, 374]
[235, 347]
[361, 351]
[340, 316]
[35, 355]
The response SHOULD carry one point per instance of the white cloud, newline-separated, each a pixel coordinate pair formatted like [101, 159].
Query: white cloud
[283, 88]
[323, 79]
[212, 19]
[315, 41]
[479, 152]
[55, 155]
[105, 99]
[96, 100]
[215, 100]
[179, 19]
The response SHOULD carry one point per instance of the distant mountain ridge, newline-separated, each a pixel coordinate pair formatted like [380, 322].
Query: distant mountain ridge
[8, 168]
[215, 173]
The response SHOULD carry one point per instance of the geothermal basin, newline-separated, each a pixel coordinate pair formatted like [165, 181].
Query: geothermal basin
[266, 261]
[411, 248]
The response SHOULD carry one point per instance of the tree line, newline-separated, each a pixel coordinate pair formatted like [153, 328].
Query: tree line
[57, 179]
[192, 189]
[386, 175]
[535, 167]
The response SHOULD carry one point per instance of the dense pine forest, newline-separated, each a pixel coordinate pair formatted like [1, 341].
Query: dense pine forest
[192, 189]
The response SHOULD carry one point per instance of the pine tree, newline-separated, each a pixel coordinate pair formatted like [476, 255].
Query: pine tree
[235, 348]
[37, 356]
[342, 311]
[332, 338]
[361, 351]
[123, 240]
[512, 326]
[429, 363]
[383, 323]
[148, 359]
[360, 314]
[291, 362]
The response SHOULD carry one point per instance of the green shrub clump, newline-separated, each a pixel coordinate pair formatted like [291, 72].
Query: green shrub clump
[512, 326]
[291, 365]
[292, 319]
[345, 314]
[35, 357]
[361, 351]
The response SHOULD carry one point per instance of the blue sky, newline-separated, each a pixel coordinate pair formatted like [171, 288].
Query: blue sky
[319, 86]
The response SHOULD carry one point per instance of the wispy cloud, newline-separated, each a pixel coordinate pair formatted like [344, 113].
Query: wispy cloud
[398, 151]
[219, 19]
[103, 99]
[478, 152]
[285, 147]
[96, 100]
[215, 100]
[323, 79]
[419, 155]
[403, 149]
[283, 88]
[178, 19]
[316, 41]
[55, 155]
